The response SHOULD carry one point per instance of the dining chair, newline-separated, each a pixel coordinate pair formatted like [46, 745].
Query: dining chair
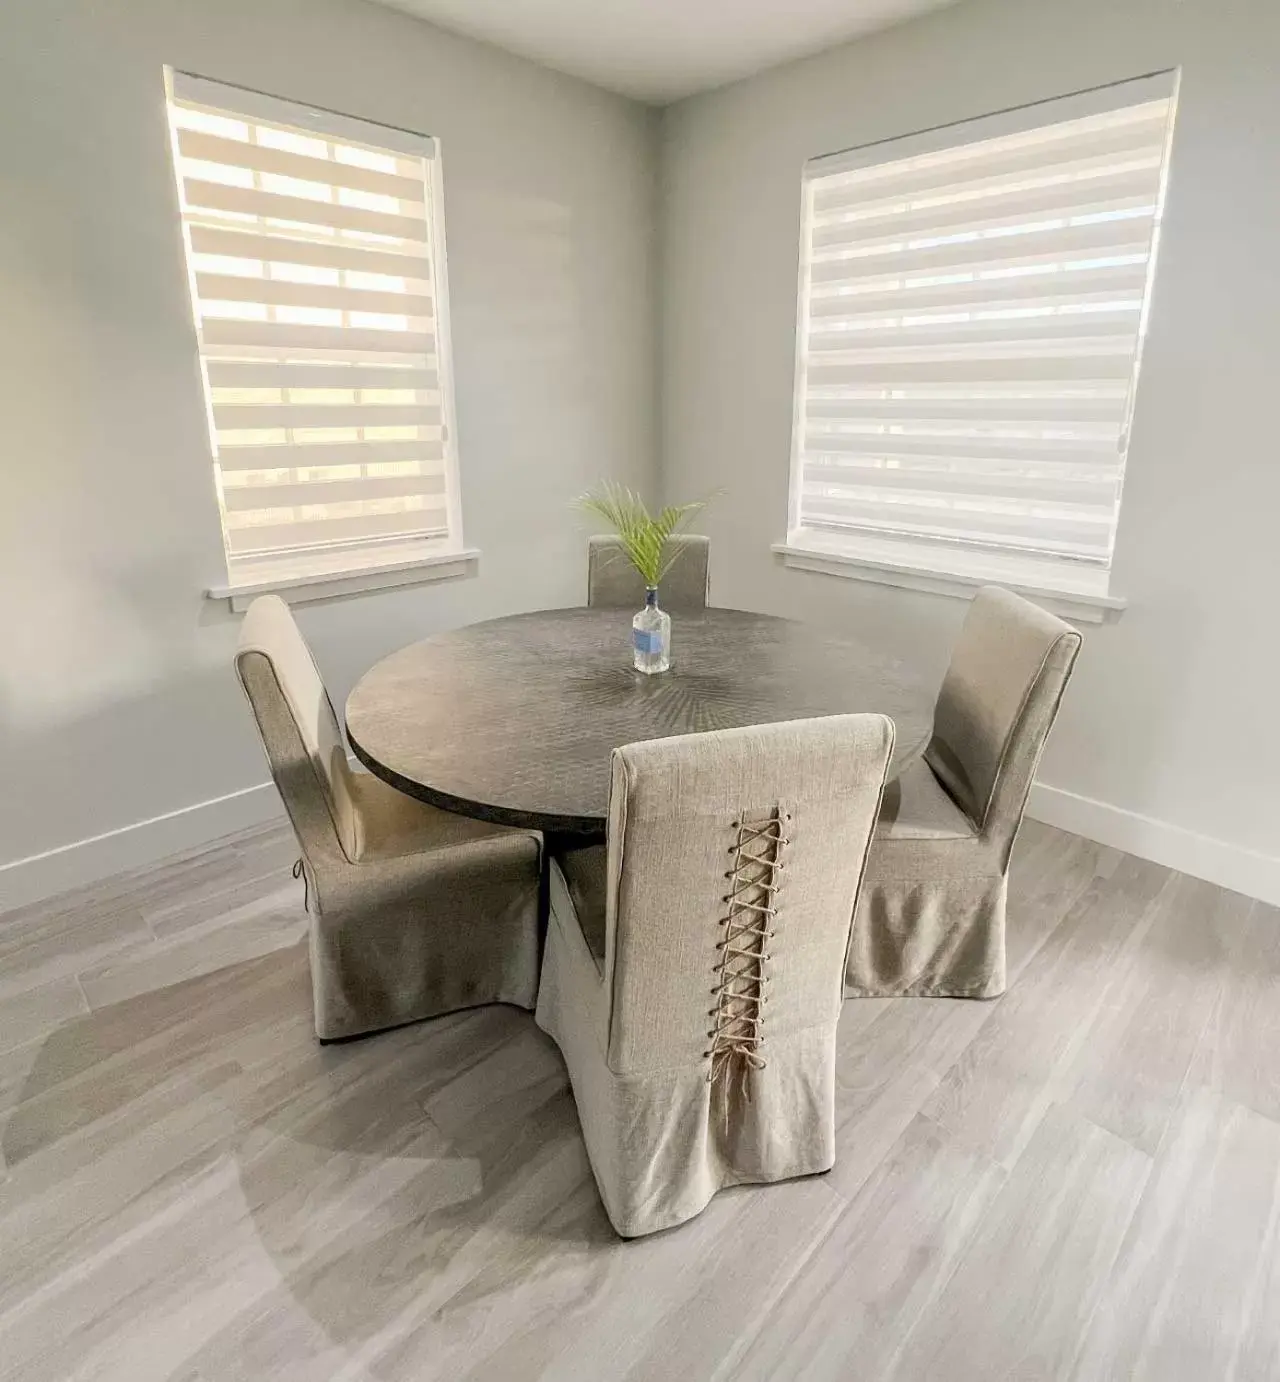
[931, 914]
[694, 963]
[414, 911]
[613, 583]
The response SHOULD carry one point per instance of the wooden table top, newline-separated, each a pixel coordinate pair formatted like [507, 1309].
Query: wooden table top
[513, 720]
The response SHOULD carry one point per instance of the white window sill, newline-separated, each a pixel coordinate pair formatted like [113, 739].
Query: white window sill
[337, 574]
[1078, 596]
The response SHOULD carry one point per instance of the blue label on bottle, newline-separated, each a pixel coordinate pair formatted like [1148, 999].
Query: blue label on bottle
[647, 641]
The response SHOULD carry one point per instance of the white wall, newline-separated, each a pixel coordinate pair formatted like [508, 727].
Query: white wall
[1169, 732]
[117, 698]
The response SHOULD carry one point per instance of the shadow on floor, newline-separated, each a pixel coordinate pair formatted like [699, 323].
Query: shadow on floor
[383, 1179]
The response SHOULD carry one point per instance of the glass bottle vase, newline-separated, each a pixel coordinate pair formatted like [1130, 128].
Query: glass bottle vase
[651, 635]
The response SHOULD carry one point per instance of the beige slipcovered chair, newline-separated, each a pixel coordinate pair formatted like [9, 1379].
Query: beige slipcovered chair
[613, 583]
[693, 968]
[414, 911]
[931, 914]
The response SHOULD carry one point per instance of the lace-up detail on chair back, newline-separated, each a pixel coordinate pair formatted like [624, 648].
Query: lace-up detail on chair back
[740, 991]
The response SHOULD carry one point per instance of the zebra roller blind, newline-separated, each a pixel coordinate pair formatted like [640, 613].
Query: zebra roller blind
[970, 325]
[315, 258]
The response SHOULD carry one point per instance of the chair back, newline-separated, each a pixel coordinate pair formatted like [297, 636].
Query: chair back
[998, 701]
[298, 726]
[734, 860]
[613, 583]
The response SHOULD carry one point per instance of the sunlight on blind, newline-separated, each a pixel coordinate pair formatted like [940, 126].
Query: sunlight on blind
[970, 328]
[311, 264]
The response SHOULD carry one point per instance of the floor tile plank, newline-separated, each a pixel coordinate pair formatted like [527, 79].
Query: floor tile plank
[868, 1283]
[1185, 1288]
[1167, 983]
[1032, 1273]
[30, 1013]
[996, 1093]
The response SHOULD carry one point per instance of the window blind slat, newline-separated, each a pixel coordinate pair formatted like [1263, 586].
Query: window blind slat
[974, 428]
[282, 293]
[1055, 244]
[971, 368]
[1050, 410]
[988, 183]
[1024, 357]
[268, 498]
[1059, 450]
[403, 260]
[304, 456]
[1049, 286]
[257, 415]
[982, 161]
[258, 158]
[1084, 535]
[1100, 196]
[1120, 326]
[343, 340]
[1060, 489]
[301, 534]
[274, 374]
[276, 206]
[969, 336]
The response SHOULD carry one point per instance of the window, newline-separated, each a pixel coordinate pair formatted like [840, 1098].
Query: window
[972, 307]
[315, 254]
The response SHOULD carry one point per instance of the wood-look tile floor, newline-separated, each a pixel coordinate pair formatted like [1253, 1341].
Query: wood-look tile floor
[1080, 1180]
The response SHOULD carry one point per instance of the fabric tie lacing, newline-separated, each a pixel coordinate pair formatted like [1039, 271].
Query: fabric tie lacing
[736, 1036]
[299, 871]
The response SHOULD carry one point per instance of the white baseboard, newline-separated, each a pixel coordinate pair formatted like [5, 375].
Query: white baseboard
[147, 842]
[1230, 866]
[134, 846]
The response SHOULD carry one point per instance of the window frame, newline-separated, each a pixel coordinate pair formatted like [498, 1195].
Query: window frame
[336, 571]
[1077, 589]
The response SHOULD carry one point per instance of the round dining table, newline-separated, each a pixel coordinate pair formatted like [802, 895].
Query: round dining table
[514, 720]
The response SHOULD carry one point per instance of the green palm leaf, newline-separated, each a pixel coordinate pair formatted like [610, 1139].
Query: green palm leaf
[646, 540]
